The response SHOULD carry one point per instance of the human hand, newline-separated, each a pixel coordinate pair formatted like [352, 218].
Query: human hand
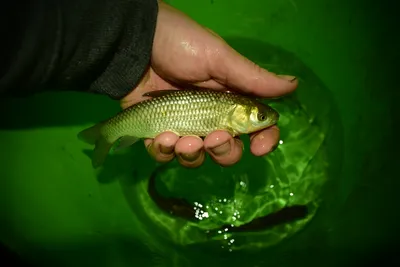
[185, 53]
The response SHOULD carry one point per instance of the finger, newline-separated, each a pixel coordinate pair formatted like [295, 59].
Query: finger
[265, 141]
[189, 151]
[162, 148]
[235, 71]
[210, 84]
[223, 148]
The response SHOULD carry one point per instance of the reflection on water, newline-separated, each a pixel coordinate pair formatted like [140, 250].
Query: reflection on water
[179, 207]
[190, 204]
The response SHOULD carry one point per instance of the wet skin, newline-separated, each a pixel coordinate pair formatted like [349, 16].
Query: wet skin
[188, 54]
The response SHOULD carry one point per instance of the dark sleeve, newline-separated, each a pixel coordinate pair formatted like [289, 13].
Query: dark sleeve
[98, 46]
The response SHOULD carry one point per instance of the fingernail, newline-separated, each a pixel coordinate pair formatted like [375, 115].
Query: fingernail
[166, 150]
[274, 148]
[221, 150]
[190, 157]
[241, 145]
[288, 77]
[149, 146]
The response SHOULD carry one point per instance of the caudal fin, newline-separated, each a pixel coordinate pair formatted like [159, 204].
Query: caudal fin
[92, 136]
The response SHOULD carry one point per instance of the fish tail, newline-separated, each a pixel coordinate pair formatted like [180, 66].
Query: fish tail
[102, 146]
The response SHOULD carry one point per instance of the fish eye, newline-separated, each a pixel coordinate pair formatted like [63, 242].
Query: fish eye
[261, 116]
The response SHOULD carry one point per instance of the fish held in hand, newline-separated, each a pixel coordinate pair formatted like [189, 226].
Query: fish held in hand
[183, 112]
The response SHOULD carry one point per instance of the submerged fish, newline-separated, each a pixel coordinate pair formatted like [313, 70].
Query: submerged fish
[184, 112]
[175, 206]
[282, 216]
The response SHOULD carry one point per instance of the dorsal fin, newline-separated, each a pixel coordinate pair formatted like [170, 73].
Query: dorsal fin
[159, 93]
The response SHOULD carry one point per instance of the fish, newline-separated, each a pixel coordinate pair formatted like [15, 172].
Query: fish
[183, 112]
[177, 207]
[285, 215]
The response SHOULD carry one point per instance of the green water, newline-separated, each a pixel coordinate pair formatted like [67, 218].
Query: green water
[297, 172]
[338, 156]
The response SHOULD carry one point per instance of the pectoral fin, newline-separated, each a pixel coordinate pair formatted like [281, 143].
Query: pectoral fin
[125, 142]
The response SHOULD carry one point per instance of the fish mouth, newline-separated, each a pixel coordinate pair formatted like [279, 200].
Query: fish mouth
[273, 119]
[277, 117]
[274, 116]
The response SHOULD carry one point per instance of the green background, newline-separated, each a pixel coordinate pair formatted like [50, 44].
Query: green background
[56, 211]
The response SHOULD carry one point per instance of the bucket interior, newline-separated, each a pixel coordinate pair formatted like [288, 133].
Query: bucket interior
[337, 156]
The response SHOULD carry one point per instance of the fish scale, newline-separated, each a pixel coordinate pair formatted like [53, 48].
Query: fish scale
[184, 112]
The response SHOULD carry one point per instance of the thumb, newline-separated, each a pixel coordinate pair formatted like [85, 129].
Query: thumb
[237, 72]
